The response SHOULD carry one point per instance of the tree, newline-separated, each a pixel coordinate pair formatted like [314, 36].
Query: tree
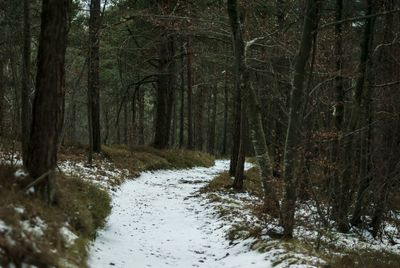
[26, 83]
[93, 79]
[295, 117]
[48, 106]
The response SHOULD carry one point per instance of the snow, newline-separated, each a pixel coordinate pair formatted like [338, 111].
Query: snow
[20, 173]
[102, 173]
[36, 227]
[158, 220]
[68, 235]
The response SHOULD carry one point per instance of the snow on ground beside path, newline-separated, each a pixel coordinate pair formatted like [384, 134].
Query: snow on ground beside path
[158, 220]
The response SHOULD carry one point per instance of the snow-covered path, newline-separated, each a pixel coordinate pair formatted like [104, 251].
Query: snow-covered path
[157, 222]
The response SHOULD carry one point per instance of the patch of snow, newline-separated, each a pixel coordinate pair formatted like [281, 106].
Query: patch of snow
[20, 173]
[68, 235]
[4, 228]
[19, 210]
[36, 227]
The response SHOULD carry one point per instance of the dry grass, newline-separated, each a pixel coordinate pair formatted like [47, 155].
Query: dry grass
[81, 205]
[223, 182]
[142, 158]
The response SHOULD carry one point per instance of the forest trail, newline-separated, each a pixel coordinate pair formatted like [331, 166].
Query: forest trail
[158, 221]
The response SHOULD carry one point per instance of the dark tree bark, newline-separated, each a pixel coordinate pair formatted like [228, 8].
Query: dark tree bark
[212, 121]
[2, 89]
[226, 108]
[126, 124]
[253, 111]
[165, 90]
[141, 117]
[133, 115]
[295, 118]
[239, 175]
[348, 140]
[182, 106]
[199, 117]
[339, 106]
[238, 47]
[48, 106]
[26, 109]
[93, 79]
[189, 95]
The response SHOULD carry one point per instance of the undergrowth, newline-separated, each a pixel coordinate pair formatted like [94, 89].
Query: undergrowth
[220, 191]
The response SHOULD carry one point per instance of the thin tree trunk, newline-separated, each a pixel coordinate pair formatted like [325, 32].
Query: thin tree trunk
[48, 107]
[199, 115]
[2, 93]
[239, 175]
[295, 118]
[226, 107]
[26, 109]
[141, 116]
[182, 106]
[189, 95]
[339, 107]
[253, 110]
[213, 122]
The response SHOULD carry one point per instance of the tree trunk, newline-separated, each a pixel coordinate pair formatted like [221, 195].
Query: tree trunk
[93, 78]
[213, 122]
[2, 93]
[226, 108]
[141, 116]
[165, 91]
[26, 109]
[48, 106]
[199, 116]
[348, 140]
[295, 118]
[189, 95]
[182, 106]
[238, 47]
[239, 175]
[339, 107]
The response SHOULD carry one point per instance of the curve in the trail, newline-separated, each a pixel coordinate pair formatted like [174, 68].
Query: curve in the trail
[157, 222]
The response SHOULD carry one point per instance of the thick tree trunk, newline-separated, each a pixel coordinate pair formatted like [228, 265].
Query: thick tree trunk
[48, 107]
[165, 91]
[295, 118]
[93, 78]
[26, 109]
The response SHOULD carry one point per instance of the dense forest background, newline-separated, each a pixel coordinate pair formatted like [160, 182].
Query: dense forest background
[310, 88]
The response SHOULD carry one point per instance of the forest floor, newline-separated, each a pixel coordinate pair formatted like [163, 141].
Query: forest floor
[176, 217]
[316, 241]
[34, 234]
[156, 221]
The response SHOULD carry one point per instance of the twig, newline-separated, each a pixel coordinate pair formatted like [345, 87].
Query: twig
[42, 177]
